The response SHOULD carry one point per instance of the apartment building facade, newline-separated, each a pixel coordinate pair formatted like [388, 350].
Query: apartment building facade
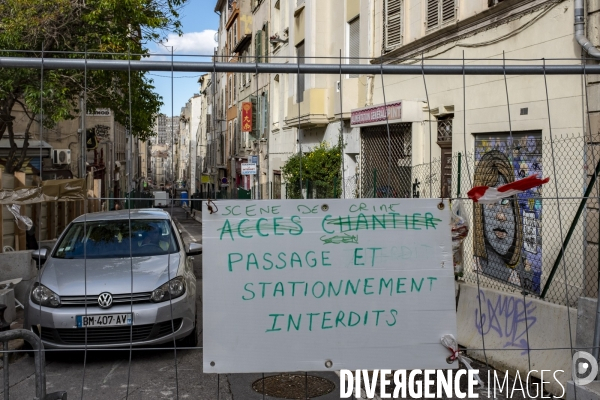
[204, 127]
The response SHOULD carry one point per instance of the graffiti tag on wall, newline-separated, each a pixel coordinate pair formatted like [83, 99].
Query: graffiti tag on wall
[507, 318]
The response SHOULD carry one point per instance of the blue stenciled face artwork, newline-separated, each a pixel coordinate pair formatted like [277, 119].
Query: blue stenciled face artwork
[499, 225]
[507, 234]
[498, 236]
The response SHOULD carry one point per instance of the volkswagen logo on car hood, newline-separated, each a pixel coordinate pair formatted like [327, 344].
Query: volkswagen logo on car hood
[105, 300]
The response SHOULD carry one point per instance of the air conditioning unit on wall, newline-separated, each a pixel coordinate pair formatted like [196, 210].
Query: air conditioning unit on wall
[61, 156]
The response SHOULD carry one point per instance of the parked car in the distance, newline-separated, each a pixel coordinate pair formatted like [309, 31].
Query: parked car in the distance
[113, 278]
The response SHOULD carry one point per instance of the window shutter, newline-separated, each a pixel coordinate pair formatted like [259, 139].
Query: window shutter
[265, 114]
[259, 40]
[235, 34]
[255, 47]
[448, 10]
[392, 30]
[432, 13]
[354, 45]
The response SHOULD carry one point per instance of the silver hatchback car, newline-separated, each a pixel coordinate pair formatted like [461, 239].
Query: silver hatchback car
[114, 278]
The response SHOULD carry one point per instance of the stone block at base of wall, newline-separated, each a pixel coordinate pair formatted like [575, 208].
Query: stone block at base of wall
[586, 319]
[509, 326]
[18, 264]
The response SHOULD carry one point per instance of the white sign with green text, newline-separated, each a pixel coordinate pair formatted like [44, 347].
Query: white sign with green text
[312, 285]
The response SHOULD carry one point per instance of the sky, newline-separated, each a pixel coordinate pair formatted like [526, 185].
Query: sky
[199, 25]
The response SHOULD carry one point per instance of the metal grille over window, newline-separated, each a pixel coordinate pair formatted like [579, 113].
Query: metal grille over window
[444, 130]
[374, 161]
[392, 24]
[354, 45]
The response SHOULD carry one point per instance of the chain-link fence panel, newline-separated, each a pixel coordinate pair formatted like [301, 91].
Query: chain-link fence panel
[504, 249]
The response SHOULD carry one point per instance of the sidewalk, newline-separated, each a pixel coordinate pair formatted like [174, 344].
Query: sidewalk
[196, 214]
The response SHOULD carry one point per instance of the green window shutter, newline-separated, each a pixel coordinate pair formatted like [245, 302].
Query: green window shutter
[267, 127]
[256, 47]
[259, 46]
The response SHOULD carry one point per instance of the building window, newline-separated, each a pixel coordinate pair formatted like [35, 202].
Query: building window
[300, 78]
[440, 12]
[444, 131]
[264, 117]
[354, 43]
[236, 137]
[258, 45]
[275, 92]
[261, 41]
[230, 138]
[392, 24]
[265, 44]
[276, 17]
[230, 91]
[235, 35]
[244, 60]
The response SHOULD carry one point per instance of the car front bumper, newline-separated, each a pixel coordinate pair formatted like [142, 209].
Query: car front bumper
[153, 323]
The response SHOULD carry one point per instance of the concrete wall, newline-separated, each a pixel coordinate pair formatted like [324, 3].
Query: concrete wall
[508, 333]
[586, 320]
[18, 264]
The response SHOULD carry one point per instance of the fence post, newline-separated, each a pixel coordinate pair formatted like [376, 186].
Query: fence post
[375, 183]
[459, 175]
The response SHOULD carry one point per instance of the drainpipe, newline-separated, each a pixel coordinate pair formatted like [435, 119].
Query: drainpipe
[593, 52]
[580, 33]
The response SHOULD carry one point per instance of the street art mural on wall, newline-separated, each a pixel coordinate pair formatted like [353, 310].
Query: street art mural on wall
[507, 234]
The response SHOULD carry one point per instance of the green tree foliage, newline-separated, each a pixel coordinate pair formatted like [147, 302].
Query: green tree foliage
[321, 172]
[120, 27]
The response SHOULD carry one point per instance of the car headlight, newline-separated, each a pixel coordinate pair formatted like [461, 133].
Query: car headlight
[175, 287]
[43, 296]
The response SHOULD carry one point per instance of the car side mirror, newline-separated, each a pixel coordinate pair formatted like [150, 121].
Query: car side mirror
[39, 255]
[194, 249]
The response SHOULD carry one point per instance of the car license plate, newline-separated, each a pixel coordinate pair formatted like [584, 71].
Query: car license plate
[102, 320]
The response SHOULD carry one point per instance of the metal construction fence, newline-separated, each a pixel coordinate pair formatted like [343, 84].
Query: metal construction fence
[541, 243]
[539, 210]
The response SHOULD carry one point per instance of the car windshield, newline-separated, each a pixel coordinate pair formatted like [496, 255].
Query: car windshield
[112, 239]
